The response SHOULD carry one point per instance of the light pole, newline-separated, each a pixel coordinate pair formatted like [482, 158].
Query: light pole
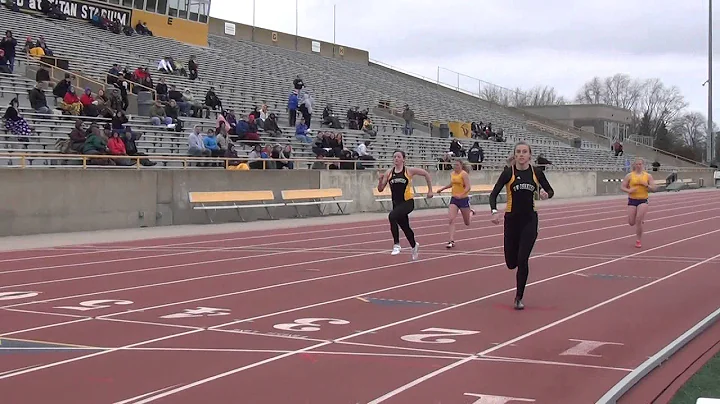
[711, 134]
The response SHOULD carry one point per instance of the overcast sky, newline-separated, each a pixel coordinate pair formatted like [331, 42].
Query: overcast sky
[560, 43]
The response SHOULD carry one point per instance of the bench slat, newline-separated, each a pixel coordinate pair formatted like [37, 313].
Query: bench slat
[294, 194]
[231, 196]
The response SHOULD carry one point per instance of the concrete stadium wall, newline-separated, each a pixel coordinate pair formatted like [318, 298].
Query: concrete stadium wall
[59, 200]
[284, 40]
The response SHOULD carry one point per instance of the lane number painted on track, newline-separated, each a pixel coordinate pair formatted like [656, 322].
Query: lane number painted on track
[17, 295]
[199, 312]
[308, 324]
[488, 399]
[95, 305]
[584, 347]
[433, 335]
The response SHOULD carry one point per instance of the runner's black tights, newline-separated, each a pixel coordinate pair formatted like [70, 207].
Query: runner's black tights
[399, 218]
[520, 235]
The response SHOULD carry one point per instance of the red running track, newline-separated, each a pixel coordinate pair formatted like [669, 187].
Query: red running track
[326, 315]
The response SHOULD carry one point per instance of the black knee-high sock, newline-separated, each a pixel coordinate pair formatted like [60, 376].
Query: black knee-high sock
[398, 217]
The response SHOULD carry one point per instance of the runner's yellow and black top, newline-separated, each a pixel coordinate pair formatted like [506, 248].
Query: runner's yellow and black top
[636, 180]
[401, 187]
[521, 186]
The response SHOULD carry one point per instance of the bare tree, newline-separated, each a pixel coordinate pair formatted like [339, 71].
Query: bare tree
[691, 128]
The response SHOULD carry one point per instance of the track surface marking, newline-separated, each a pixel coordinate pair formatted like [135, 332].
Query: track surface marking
[327, 315]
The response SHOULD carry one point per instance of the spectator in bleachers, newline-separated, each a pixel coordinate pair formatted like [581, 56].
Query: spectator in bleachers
[42, 74]
[445, 162]
[457, 148]
[4, 63]
[142, 29]
[408, 115]
[192, 106]
[330, 119]
[116, 100]
[618, 148]
[78, 136]
[271, 126]
[128, 30]
[196, 145]
[113, 74]
[369, 129]
[335, 143]
[101, 97]
[37, 98]
[476, 155]
[352, 118]
[306, 103]
[302, 133]
[655, 165]
[165, 67]
[158, 116]
[362, 151]
[118, 121]
[282, 156]
[29, 44]
[542, 162]
[256, 157]
[223, 138]
[62, 87]
[40, 43]
[89, 104]
[264, 114]
[8, 44]
[292, 107]
[298, 83]
[252, 129]
[211, 143]
[192, 68]
[231, 121]
[116, 145]
[96, 144]
[212, 101]
[256, 114]
[71, 102]
[162, 90]
[15, 123]
[122, 91]
[173, 112]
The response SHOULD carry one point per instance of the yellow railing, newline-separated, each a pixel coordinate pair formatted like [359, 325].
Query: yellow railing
[23, 159]
[75, 76]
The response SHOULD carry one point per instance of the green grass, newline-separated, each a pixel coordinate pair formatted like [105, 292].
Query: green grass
[705, 383]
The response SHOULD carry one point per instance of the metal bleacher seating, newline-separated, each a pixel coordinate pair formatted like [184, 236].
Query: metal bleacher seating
[247, 74]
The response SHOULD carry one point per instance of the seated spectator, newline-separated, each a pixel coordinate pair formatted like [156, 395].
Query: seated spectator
[162, 90]
[196, 145]
[445, 162]
[40, 43]
[330, 119]
[256, 157]
[118, 121]
[62, 87]
[252, 130]
[262, 116]
[113, 74]
[542, 162]
[78, 136]
[131, 147]
[353, 118]
[29, 44]
[298, 83]
[96, 144]
[101, 97]
[362, 151]
[71, 102]
[271, 126]
[223, 138]
[212, 101]
[116, 101]
[476, 155]
[369, 129]
[42, 74]
[193, 105]
[333, 141]
[158, 116]
[116, 145]
[302, 133]
[38, 101]
[142, 29]
[173, 112]
[165, 67]
[192, 68]
[282, 157]
[89, 104]
[211, 143]
[15, 123]
[5, 67]
[457, 148]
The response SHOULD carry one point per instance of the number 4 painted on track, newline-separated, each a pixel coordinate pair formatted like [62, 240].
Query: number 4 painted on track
[488, 399]
[199, 312]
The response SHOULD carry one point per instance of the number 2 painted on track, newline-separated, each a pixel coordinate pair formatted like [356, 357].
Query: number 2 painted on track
[435, 333]
[95, 305]
[308, 324]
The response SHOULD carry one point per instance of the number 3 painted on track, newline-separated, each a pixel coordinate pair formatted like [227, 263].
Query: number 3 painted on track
[437, 332]
[310, 323]
[95, 304]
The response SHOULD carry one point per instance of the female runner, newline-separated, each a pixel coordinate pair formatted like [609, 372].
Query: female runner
[399, 178]
[521, 181]
[460, 184]
[637, 183]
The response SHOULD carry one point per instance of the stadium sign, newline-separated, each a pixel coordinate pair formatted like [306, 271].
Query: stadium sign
[81, 10]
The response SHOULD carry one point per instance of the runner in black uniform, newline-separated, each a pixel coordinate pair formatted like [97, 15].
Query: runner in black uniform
[521, 220]
[400, 179]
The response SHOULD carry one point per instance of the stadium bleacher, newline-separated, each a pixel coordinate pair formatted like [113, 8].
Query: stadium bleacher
[247, 74]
